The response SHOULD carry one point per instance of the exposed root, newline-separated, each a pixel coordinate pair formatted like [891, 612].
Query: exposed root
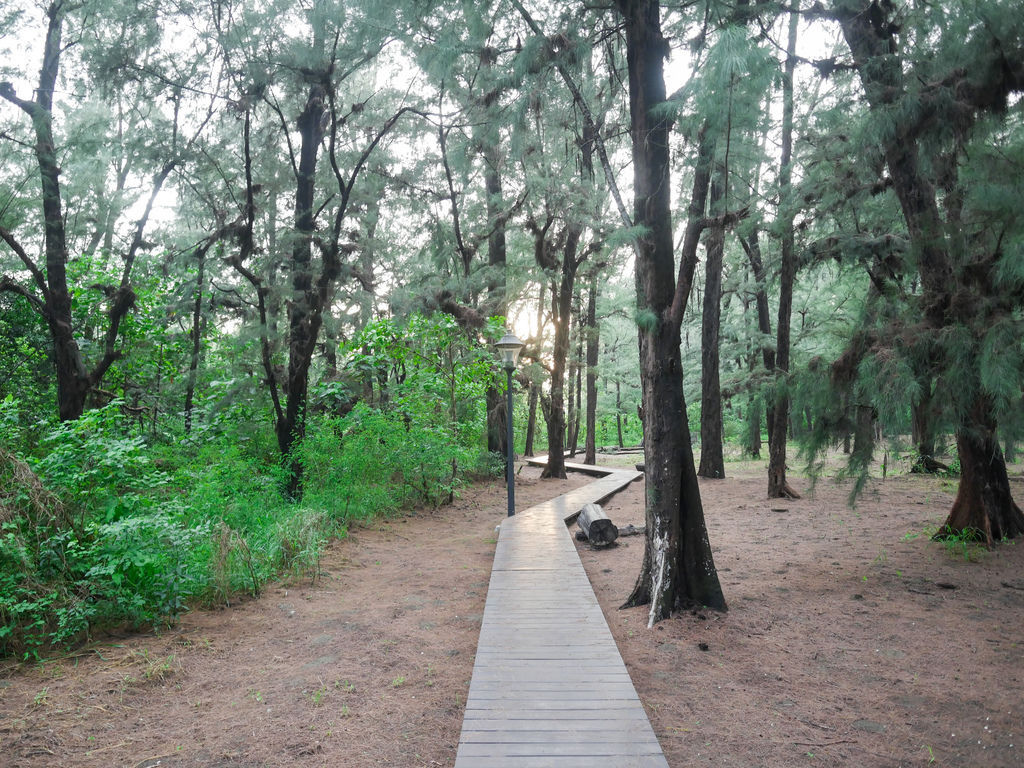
[926, 465]
[785, 492]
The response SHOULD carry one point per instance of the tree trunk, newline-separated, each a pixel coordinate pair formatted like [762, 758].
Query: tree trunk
[778, 487]
[984, 509]
[712, 461]
[752, 247]
[571, 399]
[678, 568]
[496, 293]
[574, 440]
[596, 526]
[307, 304]
[531, 423]
[496, 410]
[197, 339]
[922, 428]
[863, 438]
[754, 426]
[562, 306]
[593, 349]
[618, 412]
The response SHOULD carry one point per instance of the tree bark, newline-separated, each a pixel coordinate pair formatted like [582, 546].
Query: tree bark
[618, 412]
[752, 247]
[983, 509]
[561, 317]
[531, 422]
[922, 429]
[596, 526]
[593, 349]
[678, 568]
[197, 337]
[305, 315]
[496, 292]
[712, 461]
[778, 486]
[572, 411]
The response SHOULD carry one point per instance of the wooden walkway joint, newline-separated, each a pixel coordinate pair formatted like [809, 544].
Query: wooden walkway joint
[549, 688]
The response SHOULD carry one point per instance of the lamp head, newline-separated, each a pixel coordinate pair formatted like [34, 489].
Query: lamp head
[509, 347]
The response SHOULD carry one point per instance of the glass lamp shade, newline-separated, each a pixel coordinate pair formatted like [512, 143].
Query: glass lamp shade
[509, 347]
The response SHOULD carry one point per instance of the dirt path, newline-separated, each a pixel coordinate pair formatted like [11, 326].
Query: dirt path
[844, 645]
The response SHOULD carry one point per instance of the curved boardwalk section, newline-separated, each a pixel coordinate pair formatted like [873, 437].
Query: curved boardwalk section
[549, 688]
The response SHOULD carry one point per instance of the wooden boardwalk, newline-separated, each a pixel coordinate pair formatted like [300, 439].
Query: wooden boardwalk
[549, 688]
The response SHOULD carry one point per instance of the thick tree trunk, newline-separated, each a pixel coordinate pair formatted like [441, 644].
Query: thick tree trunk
[593, 340]
[984, 508]
[778, 487]
[678, 568]
[712, 461]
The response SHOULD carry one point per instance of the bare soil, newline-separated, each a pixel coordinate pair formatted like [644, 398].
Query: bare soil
[851, 640]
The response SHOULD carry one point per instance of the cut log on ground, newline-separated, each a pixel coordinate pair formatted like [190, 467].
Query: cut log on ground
[596, 526]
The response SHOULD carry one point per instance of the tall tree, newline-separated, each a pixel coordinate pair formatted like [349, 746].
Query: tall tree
[48, 291]
[712, 461]
[593, 349]
[678, 567]
[778, 430]
[969, 66]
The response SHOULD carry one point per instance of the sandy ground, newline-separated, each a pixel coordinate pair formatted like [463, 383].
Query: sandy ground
[851, 640]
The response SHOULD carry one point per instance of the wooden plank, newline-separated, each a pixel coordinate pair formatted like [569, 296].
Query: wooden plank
[562, 761]
[549, 687]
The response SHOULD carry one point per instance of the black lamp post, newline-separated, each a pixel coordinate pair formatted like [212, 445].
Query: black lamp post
[509, 347]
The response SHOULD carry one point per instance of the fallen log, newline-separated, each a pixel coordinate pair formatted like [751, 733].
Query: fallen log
[596, 525]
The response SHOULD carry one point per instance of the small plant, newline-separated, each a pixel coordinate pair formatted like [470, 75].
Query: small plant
[41, 699]
[255, 695]
[965, 542]
[155, 669]
[398, 681]
[318, 695]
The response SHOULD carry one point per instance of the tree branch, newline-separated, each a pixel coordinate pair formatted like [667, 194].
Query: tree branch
[37, 275]
[8, 285]
[588, 117]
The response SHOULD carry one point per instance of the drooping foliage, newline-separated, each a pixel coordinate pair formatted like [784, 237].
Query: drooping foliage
[252, 256]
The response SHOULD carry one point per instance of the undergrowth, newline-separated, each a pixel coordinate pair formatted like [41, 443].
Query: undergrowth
[100, 527]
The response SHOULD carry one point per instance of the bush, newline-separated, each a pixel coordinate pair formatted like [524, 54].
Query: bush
[101, 525]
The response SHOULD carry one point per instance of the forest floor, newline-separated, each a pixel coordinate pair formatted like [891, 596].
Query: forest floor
[851, 639]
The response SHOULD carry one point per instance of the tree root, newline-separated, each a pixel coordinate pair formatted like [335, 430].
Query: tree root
[785, 492]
